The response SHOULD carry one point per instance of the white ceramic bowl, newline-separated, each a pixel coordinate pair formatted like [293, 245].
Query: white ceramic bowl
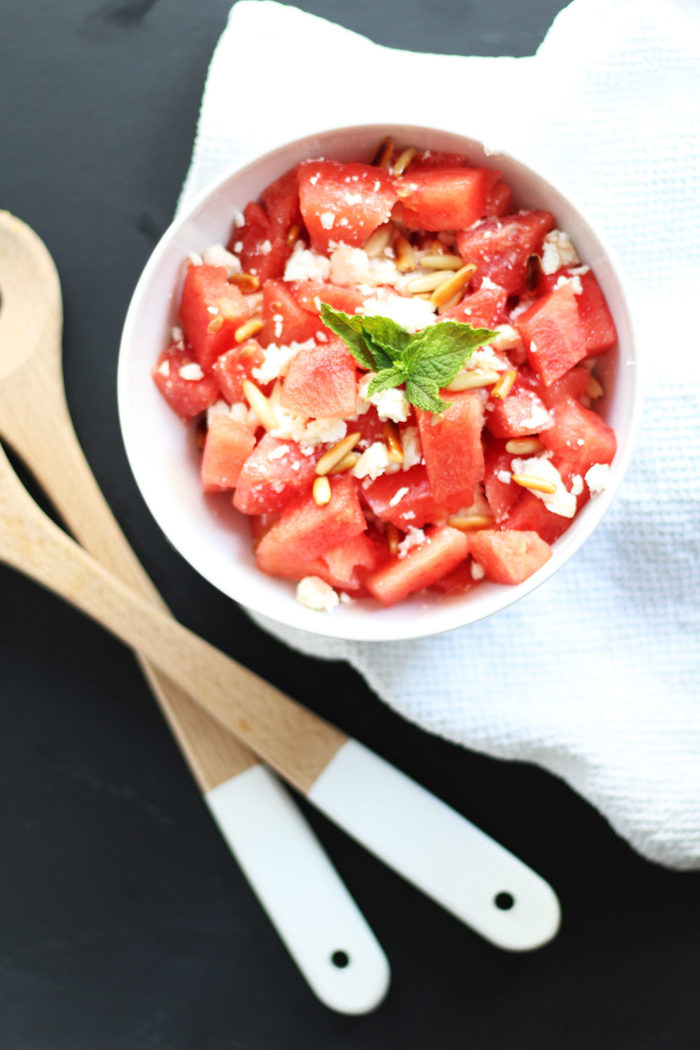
[213, 537]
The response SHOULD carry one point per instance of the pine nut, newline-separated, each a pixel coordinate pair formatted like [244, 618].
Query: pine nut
[392, 538]
[346, 463]
[382, 158]
[379, 240]
[529, 481]
[524, 446]
[393, 441]
[251, 327]
[215, 324]
[441, 261]
[246, 282]
[504, 385]
[455, 283]
[334, 455]
[404, 160]
[405, 256]
[428, 282]
[471, 522]
[260, 404]
[594, 389]
[321, 491]
[472, 380]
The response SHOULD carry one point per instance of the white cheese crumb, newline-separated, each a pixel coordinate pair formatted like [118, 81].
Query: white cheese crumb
[279, 452]
[177, 335]
[305, 265]
[278, 322]
[327, 219]
[413, 538]
[477, 570]
[277, 360]
[192, 372]
[217, 255]
[508, 338]
[238, 246]
[373, 462]
[238, 218]
[522, 306]
[504, 476]
[398, 496]
[164, 368]
[411, 313]
[539, 419]
[577, 484]
[559, 502]
[391, 404]
[575, 283]
[265, 248]
[410, 446]
[597, 478]
[195, 259]
[213, 310]
[316, 594]
[558, 251]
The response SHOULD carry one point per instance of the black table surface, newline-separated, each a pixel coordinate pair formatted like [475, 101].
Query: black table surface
[124, 921]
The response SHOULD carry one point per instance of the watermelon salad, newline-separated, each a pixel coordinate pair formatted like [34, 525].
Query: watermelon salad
[393, 373]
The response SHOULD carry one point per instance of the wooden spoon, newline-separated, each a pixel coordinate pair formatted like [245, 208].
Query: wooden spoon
[407, 827]
[315, 915]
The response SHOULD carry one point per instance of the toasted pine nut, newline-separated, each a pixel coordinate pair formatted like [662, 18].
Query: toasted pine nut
[346, 463]
[382, 158]
[260, 404]
[504, 385]
[428, 282]
[472, 380]
[393, 441]
[594, 389]
[215, 324]
[405, 256]
[321, 491]
[524, 446]
[529, 481]
[404, 160]
[455, 283]
[450, 303]
[292, 234]
[379, 240]
[334, 455]
[471, 522]
[441, 261]
[251, 327]
[392, 537]
[245, 282]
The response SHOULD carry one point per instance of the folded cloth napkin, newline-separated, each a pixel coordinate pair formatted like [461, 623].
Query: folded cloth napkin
[596, 675]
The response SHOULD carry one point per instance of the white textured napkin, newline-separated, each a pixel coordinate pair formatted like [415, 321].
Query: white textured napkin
[596, 675]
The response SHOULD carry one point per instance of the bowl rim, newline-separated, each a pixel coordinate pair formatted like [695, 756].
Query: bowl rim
[446, 614]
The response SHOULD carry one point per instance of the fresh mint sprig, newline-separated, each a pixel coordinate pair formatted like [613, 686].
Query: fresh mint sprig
[422, 361]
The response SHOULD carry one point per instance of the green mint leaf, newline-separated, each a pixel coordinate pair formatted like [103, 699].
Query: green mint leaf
[386, 379]
[423, 393]
[386, 334]
[440, 351]
[349, 329]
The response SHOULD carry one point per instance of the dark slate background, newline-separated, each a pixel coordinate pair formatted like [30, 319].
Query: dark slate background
[124, 922]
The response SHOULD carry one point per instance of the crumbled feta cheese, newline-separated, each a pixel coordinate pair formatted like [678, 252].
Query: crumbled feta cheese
[410, 445]
[411, 313]
[315, 177]
[327, 219]
[398, 495]
[577, 484]
[503, 476]
[391, 404]
[277, 360]
[191, 372]
[239, 411]
[486, 282]
[316, 594]
[477, 570]
[374, 461]
[576, 271]
[486, 359]
[177, 335]
[217, 255]
[575, 283]
[597, 478]
[352, 266]
[238, 246]
[265, 248]
[195, 259]
[213, 310]
[322, 431]
[164, 368]
[305, 265]
[560, 501]
[277, 321]
[413, 538]
[539, 419]
[238, 218]
[508, 338]
[279, 452]
[558, 251]
[522, 306]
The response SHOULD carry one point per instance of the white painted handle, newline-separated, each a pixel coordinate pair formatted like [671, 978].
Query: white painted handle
[437, 849]
[312, 910]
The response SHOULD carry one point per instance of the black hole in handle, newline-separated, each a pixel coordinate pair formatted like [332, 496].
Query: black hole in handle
[340, 959]
[504, 901]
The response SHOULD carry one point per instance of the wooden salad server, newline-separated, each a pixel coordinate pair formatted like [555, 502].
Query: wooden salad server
[309, 905]
[421, 837]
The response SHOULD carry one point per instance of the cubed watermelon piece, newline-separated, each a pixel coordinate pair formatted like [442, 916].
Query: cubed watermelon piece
[404, 498]
[483, 308]
[276, 470]
[281, 202]
[500, 492]
[579, 436]
[346, 566]
[596, 319]
[572, 384]
[443, 549]
[210, 311]
[311, 294]
[553, 335]
[501, 246]
[235, 365]
[508, 556]
[259, 244]
[451, 443]
[459, 581]
[519, 414]
[322, 381]
[226, 448]
[343, 202]
[186, 396]
[305, 531]
[530, 514]
[499, 199]
[285, 321]
[428, 159]
[443, 198]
